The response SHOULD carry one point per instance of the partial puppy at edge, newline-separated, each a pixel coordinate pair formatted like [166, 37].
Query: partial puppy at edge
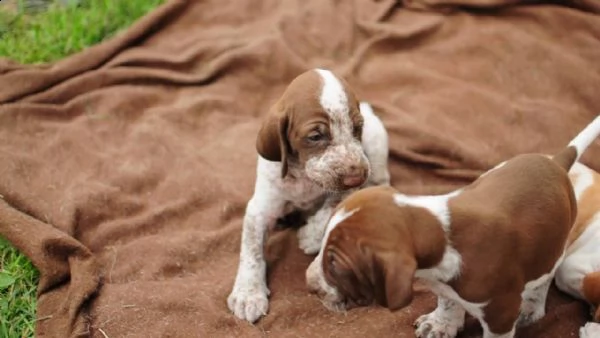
[579, 274]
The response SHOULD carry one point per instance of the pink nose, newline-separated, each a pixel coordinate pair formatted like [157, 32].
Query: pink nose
[354, 177]
[353, 180]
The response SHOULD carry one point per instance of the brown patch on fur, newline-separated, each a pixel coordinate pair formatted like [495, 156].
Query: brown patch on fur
[588, 206]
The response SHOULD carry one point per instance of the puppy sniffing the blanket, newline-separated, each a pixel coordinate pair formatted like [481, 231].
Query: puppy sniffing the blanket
[490, 248]
[317, 145]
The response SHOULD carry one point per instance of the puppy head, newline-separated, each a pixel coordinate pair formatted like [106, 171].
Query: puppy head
[317, 126]
[367, 256]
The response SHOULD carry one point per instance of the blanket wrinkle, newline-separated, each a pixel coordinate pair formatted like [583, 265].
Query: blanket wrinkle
[126, 168]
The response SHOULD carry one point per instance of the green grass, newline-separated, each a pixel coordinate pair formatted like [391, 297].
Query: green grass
[18, 281]
[65, 29]
[39, 38]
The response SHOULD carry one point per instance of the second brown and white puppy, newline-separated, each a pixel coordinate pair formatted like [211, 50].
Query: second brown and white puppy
[490, 249]
[579, 274]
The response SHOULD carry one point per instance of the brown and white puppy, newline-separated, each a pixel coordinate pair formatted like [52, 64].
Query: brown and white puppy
[579, 274]
[317, 144]
[490, 248]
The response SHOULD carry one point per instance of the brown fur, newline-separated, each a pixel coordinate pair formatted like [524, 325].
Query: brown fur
[509, 226]
[297, 115]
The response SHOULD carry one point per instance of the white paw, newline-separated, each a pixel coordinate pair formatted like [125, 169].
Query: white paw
[432, 326]
[530, 314]
[249, 303]
[590, 330]
[309, 239]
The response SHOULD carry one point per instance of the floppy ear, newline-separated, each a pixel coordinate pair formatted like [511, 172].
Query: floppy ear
[272, 143]
[394, 275]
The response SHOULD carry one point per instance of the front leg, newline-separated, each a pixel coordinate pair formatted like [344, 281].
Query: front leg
[444, 322]
[311, 234]
[248, 299]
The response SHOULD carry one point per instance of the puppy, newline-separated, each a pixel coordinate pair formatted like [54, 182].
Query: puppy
[316, 145]
[490, 248]
[579, 274]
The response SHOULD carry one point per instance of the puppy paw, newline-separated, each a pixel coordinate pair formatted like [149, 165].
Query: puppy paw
[309, 239]
[532, 309]
[249, 303]
[432, 326]
[530, 317]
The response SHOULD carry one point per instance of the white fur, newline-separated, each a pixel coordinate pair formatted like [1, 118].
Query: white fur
[583, 258]
[375, 145]
[273, 196]
[581, 178]
[310, 235]
[590, 330]
[436, 204]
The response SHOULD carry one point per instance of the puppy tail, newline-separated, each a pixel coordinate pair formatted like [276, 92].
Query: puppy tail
[578, 145]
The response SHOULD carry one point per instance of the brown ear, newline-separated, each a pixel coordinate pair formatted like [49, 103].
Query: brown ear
[395, 273]
[272, 143]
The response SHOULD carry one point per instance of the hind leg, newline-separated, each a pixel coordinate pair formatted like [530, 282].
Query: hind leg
[533, 305]
[500, 316]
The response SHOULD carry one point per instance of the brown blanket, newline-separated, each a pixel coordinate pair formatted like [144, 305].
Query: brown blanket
[125, 169]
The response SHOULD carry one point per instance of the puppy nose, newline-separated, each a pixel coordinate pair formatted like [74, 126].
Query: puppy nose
[354, 177]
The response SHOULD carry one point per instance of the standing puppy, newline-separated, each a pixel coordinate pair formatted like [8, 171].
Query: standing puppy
[490, 249]
[579, 274]
[316, 145]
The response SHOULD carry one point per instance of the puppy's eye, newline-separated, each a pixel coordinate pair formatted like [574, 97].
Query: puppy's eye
[315, 137]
